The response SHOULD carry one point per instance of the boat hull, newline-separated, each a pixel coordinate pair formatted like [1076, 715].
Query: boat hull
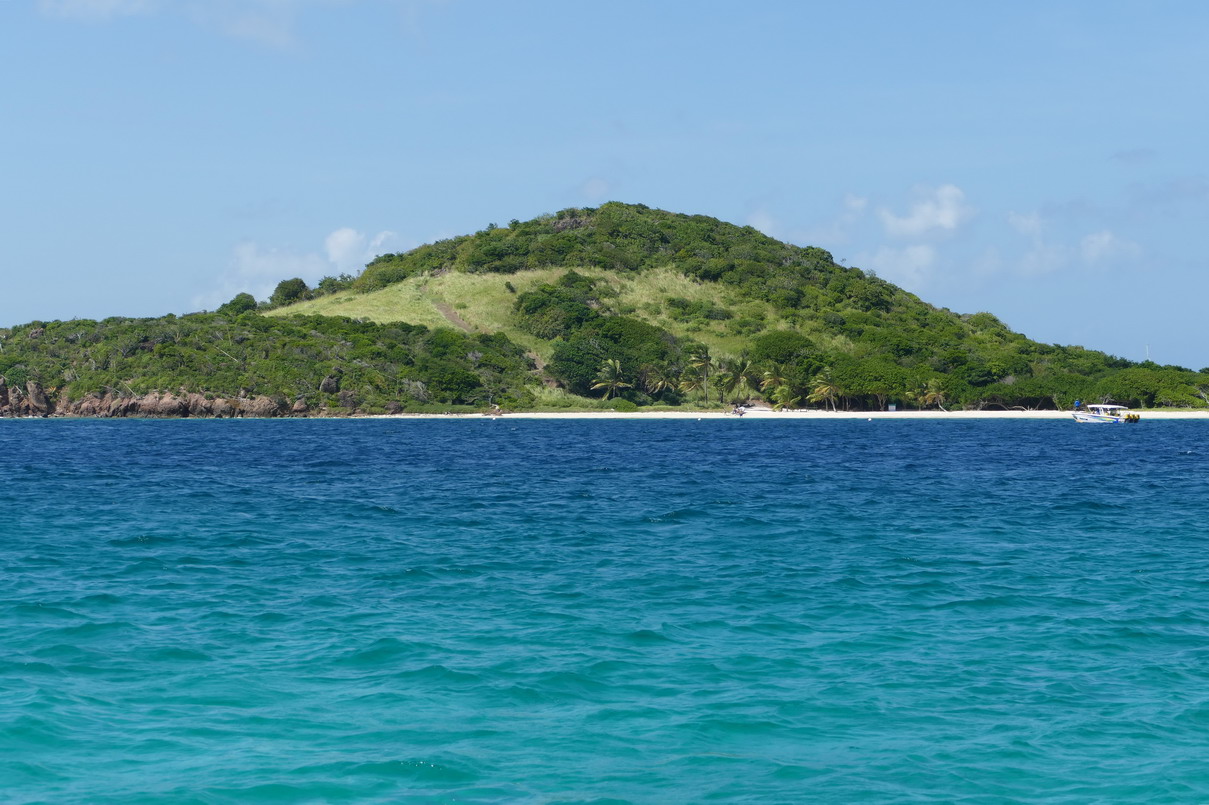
[1105, 419]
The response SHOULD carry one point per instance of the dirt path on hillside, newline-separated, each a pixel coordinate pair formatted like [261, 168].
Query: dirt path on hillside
[453, 318]
[451, 315]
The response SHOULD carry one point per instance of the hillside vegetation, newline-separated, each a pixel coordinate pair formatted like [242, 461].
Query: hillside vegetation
[728, 294]
[620, 305]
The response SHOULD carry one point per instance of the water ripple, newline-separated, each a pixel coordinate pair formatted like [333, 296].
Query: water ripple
[380, 611]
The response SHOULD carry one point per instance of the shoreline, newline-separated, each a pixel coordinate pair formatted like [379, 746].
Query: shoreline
[758, 413]
[766, 414]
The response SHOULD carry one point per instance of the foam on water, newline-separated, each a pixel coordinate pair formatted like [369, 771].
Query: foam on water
[644, 611]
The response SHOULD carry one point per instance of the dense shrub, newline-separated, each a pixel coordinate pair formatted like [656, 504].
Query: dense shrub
[287, 357]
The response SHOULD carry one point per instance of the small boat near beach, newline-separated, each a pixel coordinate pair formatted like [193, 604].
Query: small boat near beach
[1105, 414]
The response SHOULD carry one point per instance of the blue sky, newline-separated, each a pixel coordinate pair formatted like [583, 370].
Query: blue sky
[1044, 161]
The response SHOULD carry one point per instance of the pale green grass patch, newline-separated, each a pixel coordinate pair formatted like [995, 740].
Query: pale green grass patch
[403, 301]
[485, 304]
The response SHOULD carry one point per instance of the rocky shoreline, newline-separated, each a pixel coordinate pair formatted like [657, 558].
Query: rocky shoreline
[33, 400]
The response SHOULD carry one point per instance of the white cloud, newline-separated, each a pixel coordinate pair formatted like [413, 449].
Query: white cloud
[94, 9]
[939, 210]
[908, 267]
[265, 22]
[257, 270]
[1029, 225]
[343, 244]
[1045, 255]
[1104, 246]
[764, 221]
[988, 263]
[839, 229]
[349, 250]
[273, 29]
[1044, 258]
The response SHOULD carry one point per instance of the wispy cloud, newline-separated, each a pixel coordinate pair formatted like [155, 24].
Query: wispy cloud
[1027, 224]
[839, 230]
[349, 250]
[909, 267]
[1046, 254]
[1040, 256]
[1134, 156]
[270, 23]
[935, 213]
[257, 270]
[1183, 194]
[95, 9]
[938, 210]
[1104, 246]
[1044, 258]
[764, 221]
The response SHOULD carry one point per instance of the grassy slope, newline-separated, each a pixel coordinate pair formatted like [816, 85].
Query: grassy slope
[873, 335]
[484, 302]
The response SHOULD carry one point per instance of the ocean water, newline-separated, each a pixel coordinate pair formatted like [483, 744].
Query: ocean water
[519, 611]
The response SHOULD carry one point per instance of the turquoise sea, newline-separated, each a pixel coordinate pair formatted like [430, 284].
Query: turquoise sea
[527, 611]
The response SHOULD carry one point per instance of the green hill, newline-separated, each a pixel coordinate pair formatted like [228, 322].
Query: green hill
[620, 306]
[733, 292]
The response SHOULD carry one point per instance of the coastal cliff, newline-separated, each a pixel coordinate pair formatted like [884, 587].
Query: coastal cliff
[35, 401]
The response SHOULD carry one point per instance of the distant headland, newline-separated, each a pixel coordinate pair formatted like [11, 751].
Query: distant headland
[616, 308]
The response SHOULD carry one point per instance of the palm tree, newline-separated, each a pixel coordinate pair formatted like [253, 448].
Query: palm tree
[824, 389]
[691, 382]
[611, 378]
[727, 379]
[749, 377]
[933, 394]
[783, 396]
[656, 379]
[702, 363]
[772, 378]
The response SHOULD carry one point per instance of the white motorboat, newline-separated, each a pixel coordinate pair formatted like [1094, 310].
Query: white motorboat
[1105, 414]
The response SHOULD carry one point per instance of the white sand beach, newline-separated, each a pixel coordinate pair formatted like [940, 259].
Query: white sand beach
[768, 414]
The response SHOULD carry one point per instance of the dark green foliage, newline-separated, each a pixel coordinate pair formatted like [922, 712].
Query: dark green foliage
[387, 269]
[632, 342]
[1148, 385]
[615, 236]
[242, 303]
[288, 291]
[783, 347]
[550, 311]
[576, 363]
[700, 312]
[330, 285]
[854, 340]
[899, 344]
[219, 355]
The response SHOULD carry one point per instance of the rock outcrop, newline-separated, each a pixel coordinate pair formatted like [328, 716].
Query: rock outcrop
[34, 400]
[331, 383]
